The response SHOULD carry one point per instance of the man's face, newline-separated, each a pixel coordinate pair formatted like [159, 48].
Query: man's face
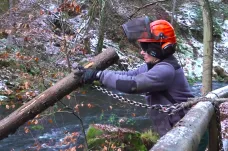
[147, 58]
[147, 46]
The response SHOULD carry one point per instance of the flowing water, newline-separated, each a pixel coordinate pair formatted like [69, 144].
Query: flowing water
[103, 109]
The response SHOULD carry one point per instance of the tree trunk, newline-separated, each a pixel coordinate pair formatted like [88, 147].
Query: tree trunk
[208, 47]
[102, 25]
[207, 66]
[9, 38]
[49, 97]
[173, 12]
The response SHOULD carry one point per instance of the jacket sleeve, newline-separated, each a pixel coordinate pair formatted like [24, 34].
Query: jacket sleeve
[134, 72]
[158, 78]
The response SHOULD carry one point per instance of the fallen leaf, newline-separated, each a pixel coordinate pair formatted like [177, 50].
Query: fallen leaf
[80, 146]
[30, 16]
[73, 148]
[105, 148]
[68, 97]
[36, 122]
[26, 84]
[113, 146]
[36, 59]
[89, 105]
[37, 116]
[77, 9]
[29, 123]
[27, 39]
[8, 92]
[26, 129]
[50, 121]
[7, 106]
[8, 31]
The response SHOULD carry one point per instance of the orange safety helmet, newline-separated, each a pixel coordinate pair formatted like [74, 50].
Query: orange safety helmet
[162, 31]
[157, 38]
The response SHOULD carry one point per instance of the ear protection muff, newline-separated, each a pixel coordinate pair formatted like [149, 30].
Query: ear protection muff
[167, 49]
[158, 50]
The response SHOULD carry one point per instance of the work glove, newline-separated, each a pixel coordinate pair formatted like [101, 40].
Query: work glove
[89, 75]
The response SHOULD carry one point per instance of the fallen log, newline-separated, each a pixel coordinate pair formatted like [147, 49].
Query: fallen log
[49, 97]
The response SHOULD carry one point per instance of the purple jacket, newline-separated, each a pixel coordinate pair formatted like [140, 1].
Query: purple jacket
[165, 76]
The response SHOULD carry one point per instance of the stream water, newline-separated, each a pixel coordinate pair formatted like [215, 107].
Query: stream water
[104, 109]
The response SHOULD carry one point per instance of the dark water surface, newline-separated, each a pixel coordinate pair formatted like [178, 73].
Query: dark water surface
[104, 110]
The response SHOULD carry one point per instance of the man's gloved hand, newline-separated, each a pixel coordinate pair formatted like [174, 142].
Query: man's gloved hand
[89, 75]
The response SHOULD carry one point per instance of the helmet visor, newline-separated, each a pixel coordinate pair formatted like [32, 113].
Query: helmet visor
[137, 28]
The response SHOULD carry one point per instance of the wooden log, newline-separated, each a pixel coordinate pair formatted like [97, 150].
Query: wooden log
[49, 97]
[213, 134]
[187, 133]
[213, 130]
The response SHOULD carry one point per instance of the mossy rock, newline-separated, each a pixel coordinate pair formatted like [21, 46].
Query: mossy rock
[100, 136]
[149, 138]
[221, 74]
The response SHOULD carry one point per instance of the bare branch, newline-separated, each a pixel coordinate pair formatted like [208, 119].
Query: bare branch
[153, 3]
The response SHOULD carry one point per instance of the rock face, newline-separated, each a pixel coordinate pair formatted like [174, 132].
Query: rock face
[221, 73]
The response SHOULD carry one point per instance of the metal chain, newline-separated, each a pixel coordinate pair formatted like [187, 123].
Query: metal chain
[161, 108]
[217, 113]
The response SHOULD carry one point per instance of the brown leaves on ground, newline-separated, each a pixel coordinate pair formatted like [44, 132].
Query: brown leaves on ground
[72, 8]
[9, 105]
[71, 138]
[77, 106]
[26, 130]
[4, 55]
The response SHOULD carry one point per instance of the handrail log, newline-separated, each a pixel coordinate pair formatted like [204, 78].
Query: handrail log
[187, 133]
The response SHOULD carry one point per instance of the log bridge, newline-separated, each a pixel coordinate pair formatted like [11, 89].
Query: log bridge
[187, 133]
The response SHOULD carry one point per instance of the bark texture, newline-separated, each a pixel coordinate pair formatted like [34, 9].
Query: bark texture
[49, 97]
[208, 47]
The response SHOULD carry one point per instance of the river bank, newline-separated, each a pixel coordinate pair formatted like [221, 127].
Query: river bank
[33, 57]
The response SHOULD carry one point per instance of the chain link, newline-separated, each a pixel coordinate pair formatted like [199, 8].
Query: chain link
[161, 108]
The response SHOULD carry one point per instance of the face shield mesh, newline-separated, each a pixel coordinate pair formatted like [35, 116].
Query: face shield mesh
[137, 28]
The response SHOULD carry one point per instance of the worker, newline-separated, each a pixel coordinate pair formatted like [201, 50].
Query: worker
[161, 77]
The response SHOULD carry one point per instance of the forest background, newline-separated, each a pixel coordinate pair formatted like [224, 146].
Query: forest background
[42, 41]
